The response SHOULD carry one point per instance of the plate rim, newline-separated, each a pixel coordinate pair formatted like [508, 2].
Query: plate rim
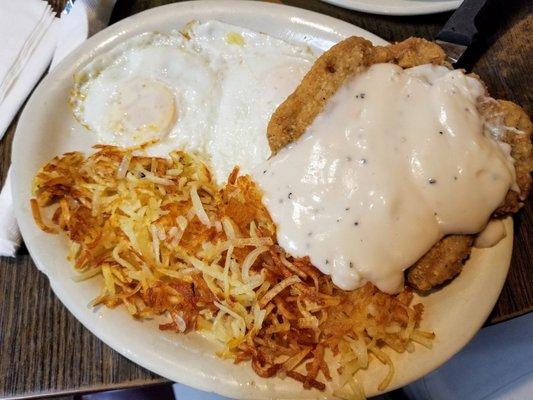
[399, 10]
[80, 55]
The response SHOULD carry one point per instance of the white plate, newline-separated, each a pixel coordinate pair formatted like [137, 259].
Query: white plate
[47, 128]
[398, 7]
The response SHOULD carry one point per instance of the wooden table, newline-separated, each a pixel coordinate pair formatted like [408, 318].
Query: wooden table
[45, 350]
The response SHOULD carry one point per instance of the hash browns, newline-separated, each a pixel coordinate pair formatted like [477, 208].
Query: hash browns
[167, 242]
[353, 55]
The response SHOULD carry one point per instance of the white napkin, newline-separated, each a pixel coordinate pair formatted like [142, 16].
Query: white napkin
[28, 33]
[9, 230]
[85, 18]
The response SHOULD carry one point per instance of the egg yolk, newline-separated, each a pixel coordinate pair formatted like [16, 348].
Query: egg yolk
[143, 109]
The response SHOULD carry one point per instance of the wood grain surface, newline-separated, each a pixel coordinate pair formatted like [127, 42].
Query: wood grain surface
[44, 350]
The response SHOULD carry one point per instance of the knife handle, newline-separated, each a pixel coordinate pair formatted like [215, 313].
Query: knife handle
[464, 25]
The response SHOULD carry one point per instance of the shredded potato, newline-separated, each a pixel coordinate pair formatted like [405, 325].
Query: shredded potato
[168, 242]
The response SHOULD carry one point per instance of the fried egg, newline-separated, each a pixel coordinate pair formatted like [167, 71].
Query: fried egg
[152, 86]
[259, 72]
[210, 89]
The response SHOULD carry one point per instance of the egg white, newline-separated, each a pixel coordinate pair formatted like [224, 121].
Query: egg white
[259, 72]
[152, 86]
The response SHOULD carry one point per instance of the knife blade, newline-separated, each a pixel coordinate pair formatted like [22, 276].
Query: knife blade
[465, 30]
[68, 6]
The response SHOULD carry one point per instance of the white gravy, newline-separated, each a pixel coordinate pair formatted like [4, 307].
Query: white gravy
[493, 233]
[396, 160]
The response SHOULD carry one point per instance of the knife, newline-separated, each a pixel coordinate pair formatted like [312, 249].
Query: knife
[68, 6]
[466, 30]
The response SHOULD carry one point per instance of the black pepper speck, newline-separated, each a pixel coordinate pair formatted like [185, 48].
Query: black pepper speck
[289, 195]
[432, 181]
[356, 223]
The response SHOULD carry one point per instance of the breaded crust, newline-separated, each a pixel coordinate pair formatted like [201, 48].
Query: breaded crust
[330, 71]
[353, 55]
[518, 132]
[441, 263]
